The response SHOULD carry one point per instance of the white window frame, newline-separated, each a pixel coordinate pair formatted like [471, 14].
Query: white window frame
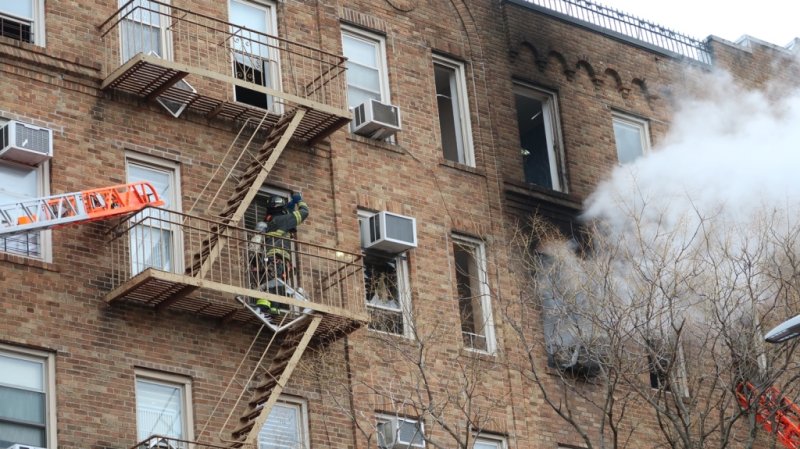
[385, 418]
[479, 252]
[550, 112]
[634, 122]
[461, 100]
[171, 380]
[164, 30]
[403, 288]
[299, 404]
[173, 168]
[48, 360]
[271, 12]
[37, 22]
[43, 178]
[379, 43]
[496, 441]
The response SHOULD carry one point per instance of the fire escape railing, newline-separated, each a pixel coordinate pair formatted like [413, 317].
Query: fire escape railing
[171, 242]
[621, 23]
[210, 47]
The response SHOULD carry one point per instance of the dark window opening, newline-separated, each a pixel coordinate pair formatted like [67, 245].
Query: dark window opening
[255, 76]
[533, 141]
[16, 30]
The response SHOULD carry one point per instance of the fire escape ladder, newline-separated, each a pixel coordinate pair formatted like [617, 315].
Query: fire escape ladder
[247, 188]
[267, 392]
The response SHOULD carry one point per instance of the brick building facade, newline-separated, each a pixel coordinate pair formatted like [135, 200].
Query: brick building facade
[118, 329]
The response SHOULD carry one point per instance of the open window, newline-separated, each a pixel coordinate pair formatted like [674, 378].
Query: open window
[453, 110]
[386, 283]
[255, 52]
[23, 20]
[666, 365]
[539, 135]
[400, 433]
[474, 301]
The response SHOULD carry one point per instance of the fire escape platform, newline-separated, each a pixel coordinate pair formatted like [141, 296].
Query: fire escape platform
[150, 77]
[163, 290]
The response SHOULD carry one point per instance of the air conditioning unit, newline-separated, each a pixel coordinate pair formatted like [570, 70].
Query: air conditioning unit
[23, 446]
[388, 232]
[26, 144]
[400, 434]
[376, 120]
[158, 443]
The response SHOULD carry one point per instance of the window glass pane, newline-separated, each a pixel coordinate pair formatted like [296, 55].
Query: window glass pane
[533, 141]
[282, 429]
[364, 77]
[483, 444]
[356, 96]
[470, 298]
[629, 141]
[158, 409]
[159, 178]
[360, 51]
[22, 405]
[17, 8]
[151, 243]
[21, 434]
[449, 114]
[20, 184]
[410, 432]
[22, 373]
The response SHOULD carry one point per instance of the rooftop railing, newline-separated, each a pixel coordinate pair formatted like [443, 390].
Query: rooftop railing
[215, 49]
[625, 25]
[177, 243]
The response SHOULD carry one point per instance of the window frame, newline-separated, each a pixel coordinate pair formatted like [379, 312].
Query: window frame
[383, 418]
[462, 101]
[164, 31]
[47, 359]
[173, 169]
[173, 380]
[478, 249]
[498, 441]
[552, 125]
[379, 43]
[403, 287]
[43, 189]
[299, 404]
[641, 124]
[270, 9]
[37, 23]
[678, 372]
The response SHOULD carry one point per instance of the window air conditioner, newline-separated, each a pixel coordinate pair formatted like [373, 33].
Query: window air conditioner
[399, 434]
[26, 144]
[376, 120]
[388, 232]
[23, 446]
[158, 443]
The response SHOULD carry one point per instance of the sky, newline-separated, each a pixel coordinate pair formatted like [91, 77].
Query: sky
[773, 21]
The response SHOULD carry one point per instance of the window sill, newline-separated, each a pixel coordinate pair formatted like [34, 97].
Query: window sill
[479, 354]
[381, 144]
[28, 262]
[461, 167]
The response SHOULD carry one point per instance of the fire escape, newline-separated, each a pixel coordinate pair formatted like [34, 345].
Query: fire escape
[197, 64]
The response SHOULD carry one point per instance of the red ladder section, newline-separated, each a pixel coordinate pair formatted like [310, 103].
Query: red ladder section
[77, 207]
[775, 412]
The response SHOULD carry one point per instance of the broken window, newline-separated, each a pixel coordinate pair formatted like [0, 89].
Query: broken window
[539, 136]
[451, 99]
[473, 299]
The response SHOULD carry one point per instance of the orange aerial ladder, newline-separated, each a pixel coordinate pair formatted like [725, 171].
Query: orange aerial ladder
[775, 412]
[77, 207]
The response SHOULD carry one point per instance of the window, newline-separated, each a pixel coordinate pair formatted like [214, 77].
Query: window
[156, 242]
[632, 136]
[400, 432]
[451, 100]
[144, 29]
[473, 299]
[23, 20]
[366, 66]
[539, 136]
[485, 442]
[286, 427]
[27, 402]
[387, 288]
[255, 54]
[20, 183]
[666, 365]
[163, 405]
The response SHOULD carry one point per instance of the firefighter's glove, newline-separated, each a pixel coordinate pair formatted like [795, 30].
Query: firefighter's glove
[296, 198]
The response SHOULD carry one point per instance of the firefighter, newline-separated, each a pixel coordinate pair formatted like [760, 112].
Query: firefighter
[279, 225]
